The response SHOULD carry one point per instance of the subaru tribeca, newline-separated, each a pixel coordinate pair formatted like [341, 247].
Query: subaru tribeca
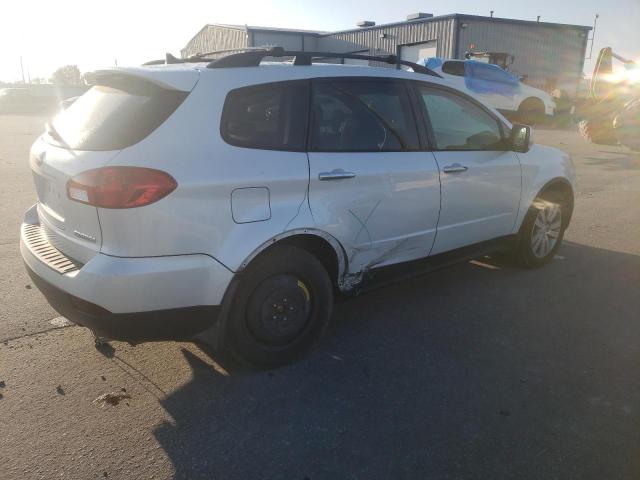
[245, 195]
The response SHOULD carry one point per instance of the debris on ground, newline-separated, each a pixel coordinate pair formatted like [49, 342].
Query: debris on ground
[2, 384]
[112, 398]
[104, 379]
[28, 287]
[60, 390]
[61, 322]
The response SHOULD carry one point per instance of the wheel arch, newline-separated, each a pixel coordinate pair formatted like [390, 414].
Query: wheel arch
[560, 185]
[326, 248]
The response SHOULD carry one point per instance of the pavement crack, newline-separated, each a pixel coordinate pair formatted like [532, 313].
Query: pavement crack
[33, 334]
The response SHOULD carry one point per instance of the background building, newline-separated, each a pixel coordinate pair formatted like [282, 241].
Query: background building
[548, 55]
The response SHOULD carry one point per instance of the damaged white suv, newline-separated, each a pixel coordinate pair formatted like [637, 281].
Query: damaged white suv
[245, 195]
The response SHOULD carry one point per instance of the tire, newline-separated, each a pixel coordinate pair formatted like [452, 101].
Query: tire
[626, 126]
[281, 309]
[531, 111]
[542, 231]
[600, 132]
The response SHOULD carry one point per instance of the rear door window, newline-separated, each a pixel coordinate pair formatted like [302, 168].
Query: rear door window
[362, 116]
[115, 117]
[269, 117]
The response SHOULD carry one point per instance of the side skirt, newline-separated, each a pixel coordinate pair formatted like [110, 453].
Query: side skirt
[382, 276]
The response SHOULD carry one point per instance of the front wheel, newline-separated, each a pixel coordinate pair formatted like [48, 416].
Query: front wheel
[542, 231]
[281, 309]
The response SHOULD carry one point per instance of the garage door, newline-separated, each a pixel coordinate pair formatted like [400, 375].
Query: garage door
[416, 52]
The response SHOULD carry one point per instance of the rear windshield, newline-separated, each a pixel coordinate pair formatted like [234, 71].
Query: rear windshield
[114, 117]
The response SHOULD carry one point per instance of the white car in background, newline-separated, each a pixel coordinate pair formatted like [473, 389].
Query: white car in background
[172, 198]
[496, 87]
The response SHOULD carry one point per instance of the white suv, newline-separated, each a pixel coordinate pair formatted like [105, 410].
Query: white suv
[245, 195]
[498, 88]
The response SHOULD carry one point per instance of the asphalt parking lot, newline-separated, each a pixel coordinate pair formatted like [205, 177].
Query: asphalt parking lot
[480, 371]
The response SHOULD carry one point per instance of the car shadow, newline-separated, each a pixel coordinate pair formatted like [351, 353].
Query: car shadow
[481, 370]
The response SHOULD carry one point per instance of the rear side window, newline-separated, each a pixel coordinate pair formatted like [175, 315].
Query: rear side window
[115, 117]
[362, 117]
[453, 68]
[268, 117]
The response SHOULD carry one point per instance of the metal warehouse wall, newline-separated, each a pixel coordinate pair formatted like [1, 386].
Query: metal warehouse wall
[550, 57]
[394, 36]
[369, 39]
[215, 37]
[289, 41]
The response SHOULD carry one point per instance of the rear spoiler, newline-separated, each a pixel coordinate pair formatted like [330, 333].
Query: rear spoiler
[181, 80]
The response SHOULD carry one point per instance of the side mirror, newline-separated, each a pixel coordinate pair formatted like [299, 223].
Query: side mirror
[520, 138]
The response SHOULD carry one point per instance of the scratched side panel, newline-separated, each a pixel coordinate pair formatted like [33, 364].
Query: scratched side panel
[386, 214]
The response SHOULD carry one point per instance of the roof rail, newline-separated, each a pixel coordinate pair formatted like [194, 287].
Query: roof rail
[253, 57]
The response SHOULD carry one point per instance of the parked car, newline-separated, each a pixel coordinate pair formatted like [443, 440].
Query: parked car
[22, 100]
[245, 196]
[497, 87]
[38, 99]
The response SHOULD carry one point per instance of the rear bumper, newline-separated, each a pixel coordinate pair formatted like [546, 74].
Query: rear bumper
[172, 324]
[135, 299]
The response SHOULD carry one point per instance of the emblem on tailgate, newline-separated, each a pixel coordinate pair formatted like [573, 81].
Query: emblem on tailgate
[84, 236]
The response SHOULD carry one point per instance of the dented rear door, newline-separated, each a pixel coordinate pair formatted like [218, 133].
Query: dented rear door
[370, 185]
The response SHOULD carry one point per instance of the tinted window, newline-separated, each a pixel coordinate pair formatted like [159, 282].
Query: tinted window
[362, 116]
[272, 116]
[458, 123]
[112, 118]
[453, 68]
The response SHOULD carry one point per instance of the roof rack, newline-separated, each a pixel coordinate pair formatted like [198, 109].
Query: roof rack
[251, 57]
[198, 57]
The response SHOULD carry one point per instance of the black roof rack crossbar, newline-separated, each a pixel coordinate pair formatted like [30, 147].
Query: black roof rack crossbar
[199, 57]
[253, 57]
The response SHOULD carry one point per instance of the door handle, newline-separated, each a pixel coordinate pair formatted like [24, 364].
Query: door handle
[455, 168]
[337, 174]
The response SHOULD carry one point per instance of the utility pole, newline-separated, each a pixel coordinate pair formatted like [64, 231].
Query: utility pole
[593, 35]
[22, 69]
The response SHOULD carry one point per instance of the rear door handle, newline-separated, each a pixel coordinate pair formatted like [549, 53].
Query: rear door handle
[455, 168]
[337, 174]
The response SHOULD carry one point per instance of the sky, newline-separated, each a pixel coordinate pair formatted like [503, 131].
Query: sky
[48, 34]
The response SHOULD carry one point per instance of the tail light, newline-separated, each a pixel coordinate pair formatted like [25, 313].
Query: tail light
[120, 187]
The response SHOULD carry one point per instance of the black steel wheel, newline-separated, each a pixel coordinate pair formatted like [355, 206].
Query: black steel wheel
[281, 309]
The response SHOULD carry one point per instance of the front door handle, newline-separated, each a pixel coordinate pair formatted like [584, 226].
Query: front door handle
[337, 174]
[455, 168]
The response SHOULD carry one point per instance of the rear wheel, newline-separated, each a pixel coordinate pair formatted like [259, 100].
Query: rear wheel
[281, 309]
[542, 231]
[531, 111]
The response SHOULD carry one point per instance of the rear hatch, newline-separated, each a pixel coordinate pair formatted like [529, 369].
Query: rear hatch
[121, 109]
